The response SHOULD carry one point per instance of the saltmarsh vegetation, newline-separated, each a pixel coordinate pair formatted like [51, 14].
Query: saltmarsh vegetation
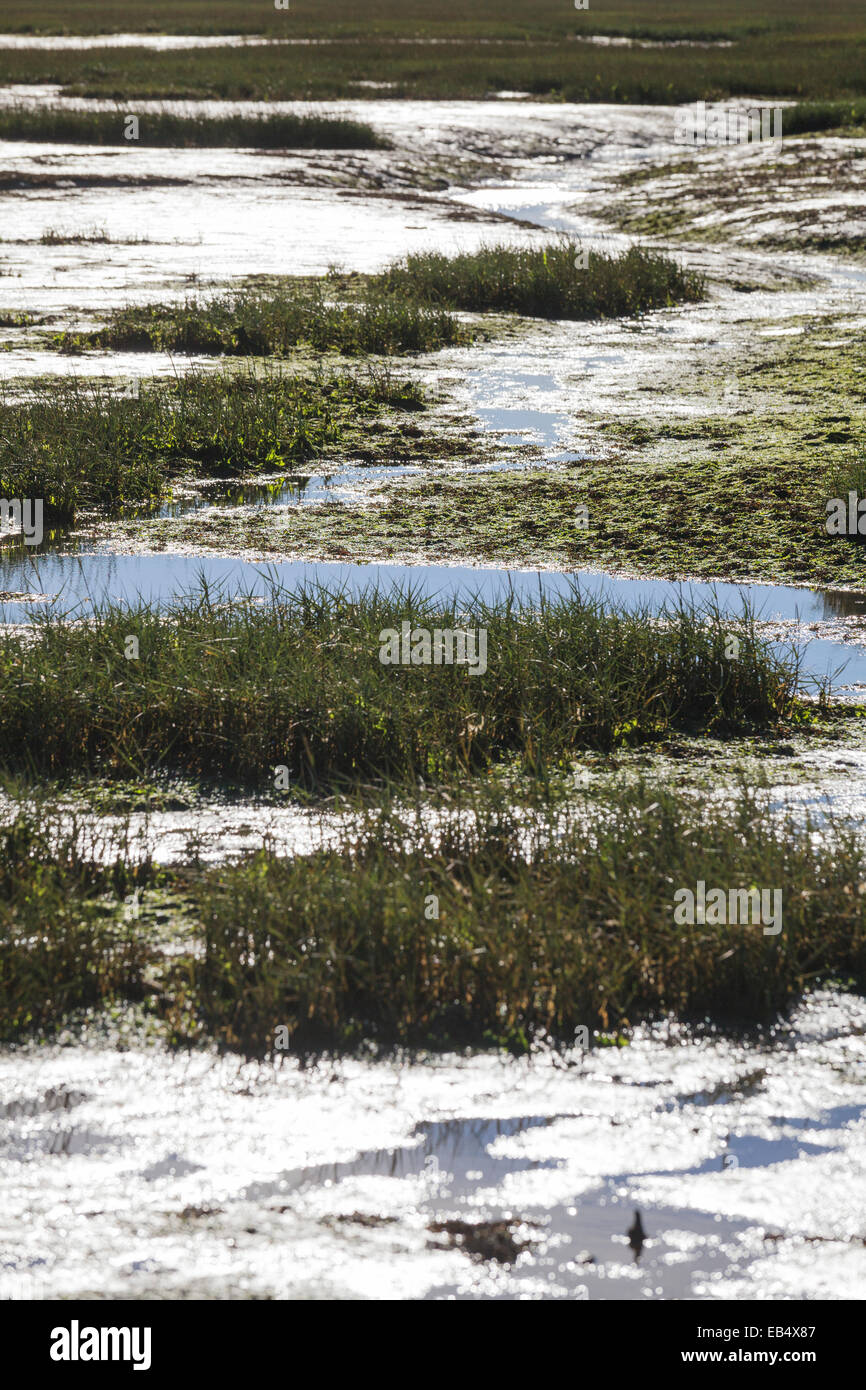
[477, 919]
[787, 49]
[230, 686]
[405, 309]
[63, 943]
[269, 321]
[814, 116]
[553, 281]
[275, 131]
[91, 445]
[545, 920]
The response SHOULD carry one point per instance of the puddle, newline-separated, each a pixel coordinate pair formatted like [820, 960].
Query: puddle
[299, 490]
[76, 580]
[162, 43]
[839, 795]
[190, 1175]
[210, 833]
[615, 41]
[493, 393]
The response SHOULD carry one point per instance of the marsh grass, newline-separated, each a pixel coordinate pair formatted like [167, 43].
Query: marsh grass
[271, 322]
[63, 945]
[548, 920]
[233, 687]
[813, 116]
[92, 445]
[407, 308]
[62, 126]
[545, 282]
[551, 913]
[95, 236]
[786, 50]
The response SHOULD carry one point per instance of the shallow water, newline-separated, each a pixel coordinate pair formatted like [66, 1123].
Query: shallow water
[194, 204]
[73, 43]
[609, 41]
[78, 580]
[301, 490]
[139, 1173]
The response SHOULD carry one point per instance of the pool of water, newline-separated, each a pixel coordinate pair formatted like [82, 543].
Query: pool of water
[74, 582]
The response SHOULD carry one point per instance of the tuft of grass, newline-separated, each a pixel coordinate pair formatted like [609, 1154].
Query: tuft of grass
[97, 236]
[271, 322]
[276, 131]
[811, 116]
[92, 445]
[547, 920]
[545, 282]
[62, 944]
[233, 687]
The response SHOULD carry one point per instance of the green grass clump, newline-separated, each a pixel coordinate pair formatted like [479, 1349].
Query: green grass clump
[233, 687]
[62, 944]
[271, 322]
[90, 445]
[281, 131]
[809, 116]
[547, 921]
[545, 282]
[482, 917]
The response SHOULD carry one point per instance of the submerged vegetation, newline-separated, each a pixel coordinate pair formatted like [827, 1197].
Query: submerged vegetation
[235, 689]
[553, 281]
[276, 131]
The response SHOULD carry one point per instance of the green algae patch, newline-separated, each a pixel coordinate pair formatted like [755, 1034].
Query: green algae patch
[739, 494]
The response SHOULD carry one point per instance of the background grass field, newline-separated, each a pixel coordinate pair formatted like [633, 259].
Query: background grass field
[792, 48]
